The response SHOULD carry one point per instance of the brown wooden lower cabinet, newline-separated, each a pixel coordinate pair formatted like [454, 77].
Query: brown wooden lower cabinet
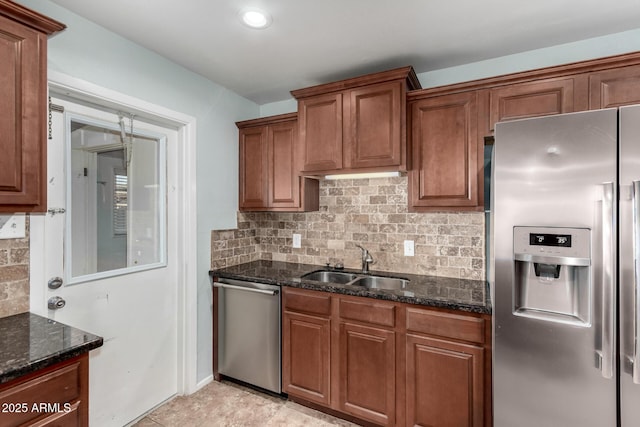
[387, 363]
[367, 373]
[444, 383]
[55, 396]
[305, 362]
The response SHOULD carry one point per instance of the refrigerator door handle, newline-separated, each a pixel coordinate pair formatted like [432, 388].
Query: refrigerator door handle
[635, 196]
[608, 280]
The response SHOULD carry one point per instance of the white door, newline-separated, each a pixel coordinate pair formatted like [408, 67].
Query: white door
[112, 239]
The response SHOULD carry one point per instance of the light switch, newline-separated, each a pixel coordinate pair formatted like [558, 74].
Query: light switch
[408, 248]
[297, 241]
[12, 226]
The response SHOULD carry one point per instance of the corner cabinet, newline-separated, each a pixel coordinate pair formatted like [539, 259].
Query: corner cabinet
[23, 107]
[269, 167]
[355, 125]
[447, 153]
[386, 363]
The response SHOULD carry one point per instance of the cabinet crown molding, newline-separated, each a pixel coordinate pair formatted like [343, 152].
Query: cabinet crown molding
[30, 18]
[407, 73]
[267, 120]
[556, 71]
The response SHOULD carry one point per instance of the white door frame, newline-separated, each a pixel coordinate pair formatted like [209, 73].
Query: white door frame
[187, 230]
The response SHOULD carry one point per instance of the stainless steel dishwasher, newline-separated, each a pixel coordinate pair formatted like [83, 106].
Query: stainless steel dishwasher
[249, 332]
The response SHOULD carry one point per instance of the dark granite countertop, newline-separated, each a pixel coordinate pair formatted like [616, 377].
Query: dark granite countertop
[29, 342]
[444, 292]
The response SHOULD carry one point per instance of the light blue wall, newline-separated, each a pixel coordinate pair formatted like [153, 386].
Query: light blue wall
[281, 107]
[613, 44]
[92, 53]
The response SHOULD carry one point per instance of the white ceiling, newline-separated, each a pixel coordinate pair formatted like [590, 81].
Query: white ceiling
[313, 42]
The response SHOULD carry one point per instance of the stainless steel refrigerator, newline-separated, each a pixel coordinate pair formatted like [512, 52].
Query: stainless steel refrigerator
[565, 245]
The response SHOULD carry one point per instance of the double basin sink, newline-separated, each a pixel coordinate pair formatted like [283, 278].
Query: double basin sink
[344, 278]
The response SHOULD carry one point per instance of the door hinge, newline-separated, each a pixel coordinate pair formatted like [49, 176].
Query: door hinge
[54, 211]
[58, 109]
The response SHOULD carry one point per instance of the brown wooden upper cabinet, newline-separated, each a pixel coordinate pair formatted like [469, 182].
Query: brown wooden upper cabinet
[537, 98]
[614, 88]
[355, 125]
[23, 107]
[269, 165]
[447, 153]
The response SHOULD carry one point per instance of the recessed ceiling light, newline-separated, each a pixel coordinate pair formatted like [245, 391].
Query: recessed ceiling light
[255, 18]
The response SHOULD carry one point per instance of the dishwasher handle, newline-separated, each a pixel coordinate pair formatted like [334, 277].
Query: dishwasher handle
[244, 288]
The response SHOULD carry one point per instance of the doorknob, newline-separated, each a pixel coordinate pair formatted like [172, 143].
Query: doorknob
[54, 282]
[55, 303]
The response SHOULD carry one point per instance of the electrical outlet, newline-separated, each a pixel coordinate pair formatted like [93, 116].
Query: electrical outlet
[297, 241]
[12, 226]
[408, 248]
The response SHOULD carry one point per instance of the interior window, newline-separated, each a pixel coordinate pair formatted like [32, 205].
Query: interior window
[116, 200]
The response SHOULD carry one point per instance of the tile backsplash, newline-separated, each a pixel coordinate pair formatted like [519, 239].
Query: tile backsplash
[14, 275]
[369, 212]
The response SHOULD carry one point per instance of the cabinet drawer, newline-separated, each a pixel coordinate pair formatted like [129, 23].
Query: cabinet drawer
[54, 388]
[448, 325]
[307, 301]
[368, 312]
[68, 417]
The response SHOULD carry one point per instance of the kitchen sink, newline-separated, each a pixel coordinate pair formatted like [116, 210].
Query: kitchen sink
[370, 282]
[330, 277]
[378, 282]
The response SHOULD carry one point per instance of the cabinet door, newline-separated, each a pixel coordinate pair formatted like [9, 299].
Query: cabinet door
[253, 168]
[444, 383]
[367, 373]
[447, 154]
[22, 118]
[306, 345]
[614, 88]
[320, 124]
[283, 182]
[375, 125]
[540, 98]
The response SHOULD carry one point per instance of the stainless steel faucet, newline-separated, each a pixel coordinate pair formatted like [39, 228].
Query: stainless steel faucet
[366, 259]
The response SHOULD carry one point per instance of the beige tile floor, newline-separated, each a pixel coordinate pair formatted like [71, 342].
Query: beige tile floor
[231, 405]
